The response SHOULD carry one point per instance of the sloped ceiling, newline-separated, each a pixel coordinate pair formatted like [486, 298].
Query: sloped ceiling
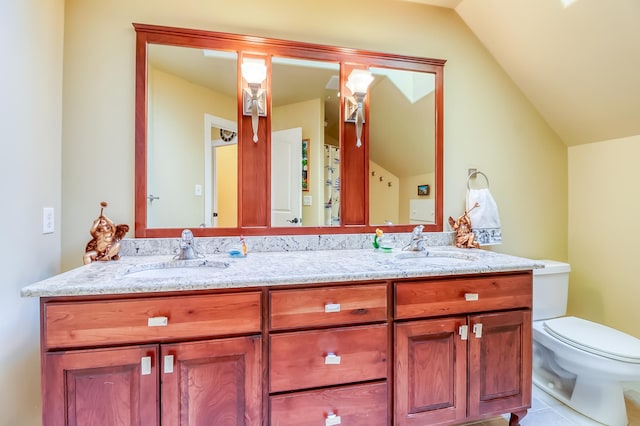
[577, 61]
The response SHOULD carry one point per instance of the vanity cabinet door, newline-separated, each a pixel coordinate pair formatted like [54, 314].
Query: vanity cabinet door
[215, 382]
[499, 362]
[445, 377]
[431, 372]
[101, 387]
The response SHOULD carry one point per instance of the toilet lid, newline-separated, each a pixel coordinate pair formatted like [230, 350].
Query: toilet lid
[595, 338]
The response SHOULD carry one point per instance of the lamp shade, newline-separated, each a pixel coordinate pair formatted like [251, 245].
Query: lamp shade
[254, 70]
[359, 81]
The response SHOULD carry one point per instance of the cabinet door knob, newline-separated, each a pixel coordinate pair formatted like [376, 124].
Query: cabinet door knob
[168, 364]
[463, 331]
[145, 365]
[332, 419]
[157, 322]
[477, 330]
[332, 307]
[332, 359]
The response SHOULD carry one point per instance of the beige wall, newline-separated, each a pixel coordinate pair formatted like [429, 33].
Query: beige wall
[603, 249]
[31, 39]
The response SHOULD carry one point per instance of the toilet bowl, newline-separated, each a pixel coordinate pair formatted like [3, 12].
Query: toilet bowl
[579, 362]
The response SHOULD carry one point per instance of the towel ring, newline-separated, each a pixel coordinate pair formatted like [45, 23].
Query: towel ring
[474, 174]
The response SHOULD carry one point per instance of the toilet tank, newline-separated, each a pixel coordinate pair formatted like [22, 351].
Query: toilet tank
[550, 290]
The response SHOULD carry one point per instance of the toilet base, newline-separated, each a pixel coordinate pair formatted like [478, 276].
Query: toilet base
[601, 401]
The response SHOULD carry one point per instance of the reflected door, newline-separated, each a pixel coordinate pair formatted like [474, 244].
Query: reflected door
[220, 172]
[286, 177]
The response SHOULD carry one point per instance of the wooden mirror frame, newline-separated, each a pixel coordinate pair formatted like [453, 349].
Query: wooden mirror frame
[254, 206]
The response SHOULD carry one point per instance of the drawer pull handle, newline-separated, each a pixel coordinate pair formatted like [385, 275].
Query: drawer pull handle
[471, 297]
[332, 419]
[168, 364]
[145, 365]
[332, 359]
[332, 307]
[157, 322]
[477, 330]
[463, 330]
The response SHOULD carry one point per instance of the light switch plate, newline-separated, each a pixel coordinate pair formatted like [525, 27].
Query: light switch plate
[307, 200]
[48, 220]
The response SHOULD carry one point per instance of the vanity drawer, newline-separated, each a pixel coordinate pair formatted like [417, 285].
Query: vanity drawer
[419, 299]
[309, 359]
[359, 405]
[328, 306]
[111, 322]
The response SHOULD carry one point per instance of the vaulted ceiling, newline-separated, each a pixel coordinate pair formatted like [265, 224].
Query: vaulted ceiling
[578, 61]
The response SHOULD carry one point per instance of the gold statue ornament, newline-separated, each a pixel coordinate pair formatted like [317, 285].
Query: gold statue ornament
[464, 237]
[105, 243]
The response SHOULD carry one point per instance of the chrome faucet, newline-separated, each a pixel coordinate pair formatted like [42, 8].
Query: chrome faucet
[187, 246]
[417, 240]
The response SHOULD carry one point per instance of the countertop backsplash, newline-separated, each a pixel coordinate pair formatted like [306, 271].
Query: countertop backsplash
[216, 245]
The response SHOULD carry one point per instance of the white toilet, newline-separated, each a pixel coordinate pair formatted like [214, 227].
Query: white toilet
[579, 362]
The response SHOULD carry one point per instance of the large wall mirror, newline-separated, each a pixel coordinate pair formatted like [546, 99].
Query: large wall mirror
[198, 167]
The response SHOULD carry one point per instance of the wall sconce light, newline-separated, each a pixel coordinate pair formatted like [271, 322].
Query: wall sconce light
[358, 83]
[254, 98]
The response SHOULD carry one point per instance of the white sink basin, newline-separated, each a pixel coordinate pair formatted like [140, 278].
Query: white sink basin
[177, 269]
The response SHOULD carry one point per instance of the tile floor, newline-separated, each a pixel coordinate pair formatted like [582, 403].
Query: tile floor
[547, 411]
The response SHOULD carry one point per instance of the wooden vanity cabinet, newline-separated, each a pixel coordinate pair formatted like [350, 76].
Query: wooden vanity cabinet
[415, 352]
[186, 370]
[462, 349]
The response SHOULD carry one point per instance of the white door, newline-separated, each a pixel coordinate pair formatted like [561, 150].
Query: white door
[211, 180]
[286, 177]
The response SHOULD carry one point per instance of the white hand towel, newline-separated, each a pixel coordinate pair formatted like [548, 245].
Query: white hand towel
[485, 220]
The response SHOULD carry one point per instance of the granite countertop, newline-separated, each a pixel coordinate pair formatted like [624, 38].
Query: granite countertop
[273, 268]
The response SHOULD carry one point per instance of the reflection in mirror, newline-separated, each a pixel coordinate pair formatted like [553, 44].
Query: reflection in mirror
[401, 147]
[191, 138]
[305, 106]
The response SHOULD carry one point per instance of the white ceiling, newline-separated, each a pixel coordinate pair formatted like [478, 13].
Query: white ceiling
[579, 65]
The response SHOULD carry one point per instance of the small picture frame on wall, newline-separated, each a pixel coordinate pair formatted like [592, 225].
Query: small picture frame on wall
[305, 164]
[423, 190]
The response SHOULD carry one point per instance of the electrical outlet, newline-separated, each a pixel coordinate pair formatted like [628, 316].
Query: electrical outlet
[48, 220]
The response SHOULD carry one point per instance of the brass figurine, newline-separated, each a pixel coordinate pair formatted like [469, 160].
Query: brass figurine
[464, 237]
[105, 243]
